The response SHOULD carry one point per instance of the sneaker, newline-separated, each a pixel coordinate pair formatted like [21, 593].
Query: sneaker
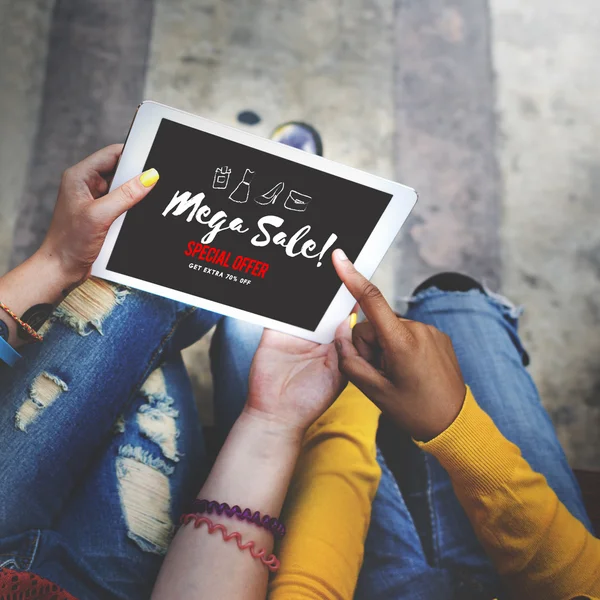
[450, 282]
[299, 135]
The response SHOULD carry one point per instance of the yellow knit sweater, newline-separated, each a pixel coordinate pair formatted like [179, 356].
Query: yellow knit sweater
[539, 548]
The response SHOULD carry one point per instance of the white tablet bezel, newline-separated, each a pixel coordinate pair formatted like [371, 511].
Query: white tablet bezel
[139, 142]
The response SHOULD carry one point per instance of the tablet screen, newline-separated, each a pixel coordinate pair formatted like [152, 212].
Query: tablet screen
[243, 227]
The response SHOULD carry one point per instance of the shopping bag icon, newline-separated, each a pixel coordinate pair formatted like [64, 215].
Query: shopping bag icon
[297, 201]
[221, 179]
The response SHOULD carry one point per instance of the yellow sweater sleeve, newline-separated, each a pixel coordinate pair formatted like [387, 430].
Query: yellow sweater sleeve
[540, 549]
[328, 507]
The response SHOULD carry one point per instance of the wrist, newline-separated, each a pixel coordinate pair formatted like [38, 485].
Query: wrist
[54, 270]
[439, 416]
[30, 291]
[277, 429]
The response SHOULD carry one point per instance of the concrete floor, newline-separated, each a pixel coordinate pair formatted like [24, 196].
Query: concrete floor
[488, 108]
[547, 98]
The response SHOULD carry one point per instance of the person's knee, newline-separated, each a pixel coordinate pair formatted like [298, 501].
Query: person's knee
[437, 301]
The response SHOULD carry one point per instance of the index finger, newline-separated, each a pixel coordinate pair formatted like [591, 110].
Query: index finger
[370, 299]
[102, 161]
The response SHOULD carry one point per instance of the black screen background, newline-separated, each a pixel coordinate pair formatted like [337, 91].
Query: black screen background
[294, 291]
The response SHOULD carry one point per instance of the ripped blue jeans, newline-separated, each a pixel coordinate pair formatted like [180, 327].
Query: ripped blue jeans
[420, 544]
[100, 442]
[101, 447]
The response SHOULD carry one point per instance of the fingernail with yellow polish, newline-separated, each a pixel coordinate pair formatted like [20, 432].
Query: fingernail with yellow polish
[149, 178]
[353, 318]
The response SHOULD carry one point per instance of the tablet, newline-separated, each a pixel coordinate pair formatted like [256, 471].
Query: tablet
[245, 226]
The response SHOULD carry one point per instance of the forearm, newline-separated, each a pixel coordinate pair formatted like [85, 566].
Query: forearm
[252, 470]
[38, 282]
[535, 543]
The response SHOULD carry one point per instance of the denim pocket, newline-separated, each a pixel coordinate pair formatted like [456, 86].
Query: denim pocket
[18, 551]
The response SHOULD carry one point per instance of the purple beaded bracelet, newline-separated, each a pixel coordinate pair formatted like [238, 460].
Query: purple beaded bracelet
[271, 524]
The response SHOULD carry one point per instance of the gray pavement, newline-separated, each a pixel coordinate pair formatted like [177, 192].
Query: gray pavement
[488, 108]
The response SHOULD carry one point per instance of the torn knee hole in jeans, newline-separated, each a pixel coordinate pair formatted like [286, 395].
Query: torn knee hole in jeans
[156, 418]
[44, 391]
[143, 479]
[145, 495]
[86, 307]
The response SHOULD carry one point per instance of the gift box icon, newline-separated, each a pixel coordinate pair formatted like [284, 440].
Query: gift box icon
[297, 201]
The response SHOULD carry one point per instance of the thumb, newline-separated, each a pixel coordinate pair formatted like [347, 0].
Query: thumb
[126, 196]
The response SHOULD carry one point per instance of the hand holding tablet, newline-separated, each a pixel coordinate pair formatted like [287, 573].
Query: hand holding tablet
[245, 226]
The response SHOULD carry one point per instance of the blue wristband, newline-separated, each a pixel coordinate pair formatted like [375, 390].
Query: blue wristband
[7, 353]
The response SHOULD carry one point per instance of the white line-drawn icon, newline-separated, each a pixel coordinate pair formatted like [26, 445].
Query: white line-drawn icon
[296, 201]
[242, 191]
[221, 179]
[271, 196]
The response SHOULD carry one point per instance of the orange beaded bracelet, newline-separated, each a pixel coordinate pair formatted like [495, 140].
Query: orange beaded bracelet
[32, 332]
